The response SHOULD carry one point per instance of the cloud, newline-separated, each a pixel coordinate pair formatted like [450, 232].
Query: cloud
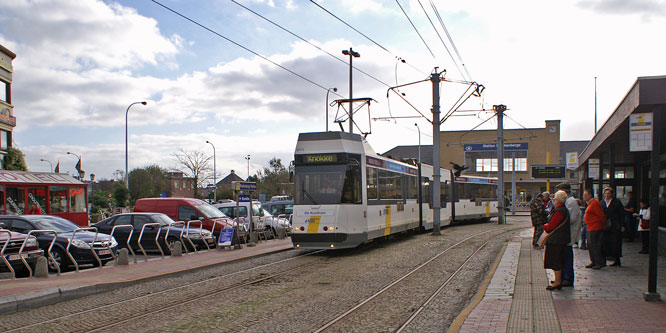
[646, 8]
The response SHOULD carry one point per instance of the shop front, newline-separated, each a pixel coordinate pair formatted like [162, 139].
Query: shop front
[25, 193]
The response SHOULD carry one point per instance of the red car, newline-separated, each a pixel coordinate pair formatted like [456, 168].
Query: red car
[11, 251]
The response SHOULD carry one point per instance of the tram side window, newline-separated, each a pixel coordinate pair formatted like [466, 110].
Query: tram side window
[351, 189]
[58, 197]
[412, 183]
[78, 200]
[444, 191]
[426, 189]
[390, 186]
[371, 176]
[15, 201]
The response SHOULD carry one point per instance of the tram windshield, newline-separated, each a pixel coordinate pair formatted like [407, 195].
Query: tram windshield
[327, 184]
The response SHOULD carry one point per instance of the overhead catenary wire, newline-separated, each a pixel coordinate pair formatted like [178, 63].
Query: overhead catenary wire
[455, 49]
[307, 41]
[415, 29]
[364, 35]
[242, 46]
[441, 40]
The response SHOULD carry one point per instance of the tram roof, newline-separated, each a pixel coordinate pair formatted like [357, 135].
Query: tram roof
[320, 136]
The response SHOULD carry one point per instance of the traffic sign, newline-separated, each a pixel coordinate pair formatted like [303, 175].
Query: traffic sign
[226, 235]
[211, 186]
[245, 186]
[244, 198]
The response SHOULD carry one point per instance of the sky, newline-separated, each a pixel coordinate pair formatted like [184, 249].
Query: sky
[81, 63]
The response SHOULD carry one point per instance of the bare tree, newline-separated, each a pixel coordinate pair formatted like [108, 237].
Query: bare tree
[196, 163]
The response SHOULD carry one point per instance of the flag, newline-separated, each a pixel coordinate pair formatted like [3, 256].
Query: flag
[57, 168]
[78, 166]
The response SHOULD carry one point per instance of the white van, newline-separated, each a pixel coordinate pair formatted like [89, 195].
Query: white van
[260, 217]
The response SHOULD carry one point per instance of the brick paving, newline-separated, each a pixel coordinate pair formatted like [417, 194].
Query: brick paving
[606, 300]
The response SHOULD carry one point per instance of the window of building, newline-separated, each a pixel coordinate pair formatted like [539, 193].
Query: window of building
[490, 164]
[4, 140]
[77, 202]
[58, 197]
[4, 91]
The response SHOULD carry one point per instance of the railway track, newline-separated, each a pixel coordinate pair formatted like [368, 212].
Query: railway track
[338, 324]
[105, 322]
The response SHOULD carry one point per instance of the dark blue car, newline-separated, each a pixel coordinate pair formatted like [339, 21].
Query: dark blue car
[81, 244]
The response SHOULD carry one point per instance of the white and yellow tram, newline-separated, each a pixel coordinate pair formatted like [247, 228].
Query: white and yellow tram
[345, 194]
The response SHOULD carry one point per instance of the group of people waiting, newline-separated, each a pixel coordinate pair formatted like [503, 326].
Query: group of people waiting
[559, 223]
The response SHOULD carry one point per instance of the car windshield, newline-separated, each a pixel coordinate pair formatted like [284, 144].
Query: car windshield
[162, 219]
[210, 212]
[54, 223]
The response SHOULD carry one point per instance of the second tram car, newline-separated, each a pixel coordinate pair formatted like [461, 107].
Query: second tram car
[345, 194]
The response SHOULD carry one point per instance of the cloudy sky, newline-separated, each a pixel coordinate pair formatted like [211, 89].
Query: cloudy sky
[80, 63]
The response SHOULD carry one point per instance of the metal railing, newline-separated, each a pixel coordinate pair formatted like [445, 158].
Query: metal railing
[91, 245]
[157, 238]
[212, 234]
[129, 238]
[55, 235]
[2, 252]
[166, 237]
[188, 234]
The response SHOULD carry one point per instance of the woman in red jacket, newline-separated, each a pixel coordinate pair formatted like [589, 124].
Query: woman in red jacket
[559, 230]
[595, 221]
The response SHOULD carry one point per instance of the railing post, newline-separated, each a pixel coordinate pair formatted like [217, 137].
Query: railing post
[2, 252]
[55, 235]
[129, 247]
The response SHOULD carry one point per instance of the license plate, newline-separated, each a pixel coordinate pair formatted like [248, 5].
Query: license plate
[16, 256]
[103, 252]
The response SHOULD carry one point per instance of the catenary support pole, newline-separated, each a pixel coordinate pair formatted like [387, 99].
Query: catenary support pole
[436, 175]
[513, 183]
[499, 109]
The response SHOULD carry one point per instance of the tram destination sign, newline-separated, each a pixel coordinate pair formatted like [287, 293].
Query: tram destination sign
[549, 171]
[327, 158]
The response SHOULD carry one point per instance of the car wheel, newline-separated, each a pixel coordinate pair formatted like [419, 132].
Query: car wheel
[61, 258]
[170, 243]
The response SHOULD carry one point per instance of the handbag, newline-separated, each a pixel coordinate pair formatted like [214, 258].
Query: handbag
[544, 237]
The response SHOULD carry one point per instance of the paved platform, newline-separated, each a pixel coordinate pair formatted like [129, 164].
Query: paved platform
[606, 300]
[25, 293]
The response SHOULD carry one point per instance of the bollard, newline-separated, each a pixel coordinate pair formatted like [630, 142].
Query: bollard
[281, 233]
[254, 238]
[41, 268]
[123, 257]
[177, 250]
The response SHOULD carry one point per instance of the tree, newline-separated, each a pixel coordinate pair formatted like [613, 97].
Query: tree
[148, 182]
[196, 164]
[274, 179]
[100, 200]
[120, 194]
[14, 160]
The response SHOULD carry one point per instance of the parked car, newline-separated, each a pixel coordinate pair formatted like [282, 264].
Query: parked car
[31, 250]
[276, 222]
[186, 209]
[81, 244]
[229, 208]
[138, 220]
[278, 207]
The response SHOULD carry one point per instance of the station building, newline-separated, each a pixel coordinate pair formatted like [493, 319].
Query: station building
[7, 119]
[540, 158]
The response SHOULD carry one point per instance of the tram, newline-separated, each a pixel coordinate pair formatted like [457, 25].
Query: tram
[345, 194]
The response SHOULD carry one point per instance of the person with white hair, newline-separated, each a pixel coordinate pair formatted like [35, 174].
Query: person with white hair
[559, 235]
[568, 274]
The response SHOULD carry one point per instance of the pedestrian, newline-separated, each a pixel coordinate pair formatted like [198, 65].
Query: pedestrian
[547, 202]
[595, 221]
[644, 225]
[568, 276]
[559, 235]
[629, 219]
[614, 211]
[583, 230]
[539, 217]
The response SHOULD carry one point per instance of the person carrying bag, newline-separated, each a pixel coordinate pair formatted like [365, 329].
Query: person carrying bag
[559, 235]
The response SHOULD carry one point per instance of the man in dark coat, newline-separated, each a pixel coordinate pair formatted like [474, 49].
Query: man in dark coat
[614, 211]
[629, 219]
[539, 217]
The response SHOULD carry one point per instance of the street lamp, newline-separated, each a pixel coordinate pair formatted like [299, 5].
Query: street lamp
[92, 182]
[49, 162]
[417, 127]
[214, 171]
[80, 172]
[351, 53]
[328, 91]
[248, 166]
[126, 113]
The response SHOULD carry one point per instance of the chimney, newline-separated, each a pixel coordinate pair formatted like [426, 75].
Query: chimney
[233, 172]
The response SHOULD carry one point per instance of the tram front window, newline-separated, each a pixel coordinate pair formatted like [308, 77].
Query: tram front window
[327, 184]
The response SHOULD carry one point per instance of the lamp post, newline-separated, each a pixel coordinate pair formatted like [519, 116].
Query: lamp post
[351, 53]
[92, 182]
[248, 166]
[126, 113]
[214, 171]
[79, 157]
[49, 162]
[328, 91]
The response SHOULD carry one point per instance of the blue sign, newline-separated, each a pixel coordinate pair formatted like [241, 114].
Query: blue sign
[244, 186]
[226, 235]
[396, 167]
[493, 146]
[243, 198]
